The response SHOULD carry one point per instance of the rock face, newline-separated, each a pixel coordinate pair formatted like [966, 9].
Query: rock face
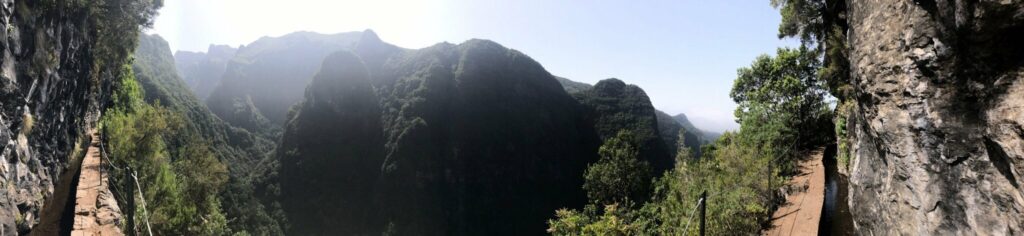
[938, 134]
[50, 91]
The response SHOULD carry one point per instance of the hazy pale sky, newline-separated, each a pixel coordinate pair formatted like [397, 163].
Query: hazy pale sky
[683, 53]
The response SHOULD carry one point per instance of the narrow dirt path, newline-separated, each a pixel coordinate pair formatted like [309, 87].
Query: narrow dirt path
[801, 214]
[96, 211]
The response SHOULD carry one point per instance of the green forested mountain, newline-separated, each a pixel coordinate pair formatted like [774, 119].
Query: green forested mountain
[669, 128]
[154, 69]
[613, 105]
[706, 136]
[243, 153]
[573, 86]
[202, 71]
[268, 76]
[460, 139]
[425, 141]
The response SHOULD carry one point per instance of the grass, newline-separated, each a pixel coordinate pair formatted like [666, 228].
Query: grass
[27, 123]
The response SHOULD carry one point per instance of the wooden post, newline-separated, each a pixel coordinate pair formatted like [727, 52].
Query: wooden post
[703, 209]
[129, 190]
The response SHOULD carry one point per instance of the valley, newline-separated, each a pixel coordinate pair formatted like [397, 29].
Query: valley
[887, 117]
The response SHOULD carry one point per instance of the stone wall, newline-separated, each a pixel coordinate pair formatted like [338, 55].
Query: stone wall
[50, 91]
[938, 130]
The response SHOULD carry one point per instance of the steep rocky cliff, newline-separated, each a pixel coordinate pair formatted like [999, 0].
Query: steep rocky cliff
[56, 69]
[938, 132]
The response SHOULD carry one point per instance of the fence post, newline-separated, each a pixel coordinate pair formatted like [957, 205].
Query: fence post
[129, 190]
[703, 209]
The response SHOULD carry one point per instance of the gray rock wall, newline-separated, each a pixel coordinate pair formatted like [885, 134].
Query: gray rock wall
[49, 92]
[938, 130]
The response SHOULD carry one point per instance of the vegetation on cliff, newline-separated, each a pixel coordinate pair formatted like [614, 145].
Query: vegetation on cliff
[181, 188]
[247, 195]
[782, 111]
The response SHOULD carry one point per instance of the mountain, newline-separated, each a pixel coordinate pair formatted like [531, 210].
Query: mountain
[936, 145]
[668, 129]
[706, 136]
[202, 71]
[154, 69]
[467, 139]
[572, 86]
[268, 76]
[668, 126]
[613, 106]
[244, 153]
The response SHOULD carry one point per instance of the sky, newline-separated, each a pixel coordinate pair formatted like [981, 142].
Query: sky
[683, 53]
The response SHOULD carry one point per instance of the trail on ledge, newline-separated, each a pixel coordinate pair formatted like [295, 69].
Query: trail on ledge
[96, 211]
[801, 214]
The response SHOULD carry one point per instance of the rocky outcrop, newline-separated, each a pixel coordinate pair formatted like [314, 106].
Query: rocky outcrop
[938, 133]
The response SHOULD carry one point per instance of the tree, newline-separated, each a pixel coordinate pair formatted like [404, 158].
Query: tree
[616, 220]
[733, 175]
[821, 25]
[781, 103]
[619, 175]
[683, 152]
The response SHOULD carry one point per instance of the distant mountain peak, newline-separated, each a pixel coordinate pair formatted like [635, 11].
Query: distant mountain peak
[614, 86]
[611, 83]
[220, 49]
[370, 37]
[482, 46]
[571, 86]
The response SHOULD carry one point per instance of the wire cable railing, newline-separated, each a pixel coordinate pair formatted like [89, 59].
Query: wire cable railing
[129, 175]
